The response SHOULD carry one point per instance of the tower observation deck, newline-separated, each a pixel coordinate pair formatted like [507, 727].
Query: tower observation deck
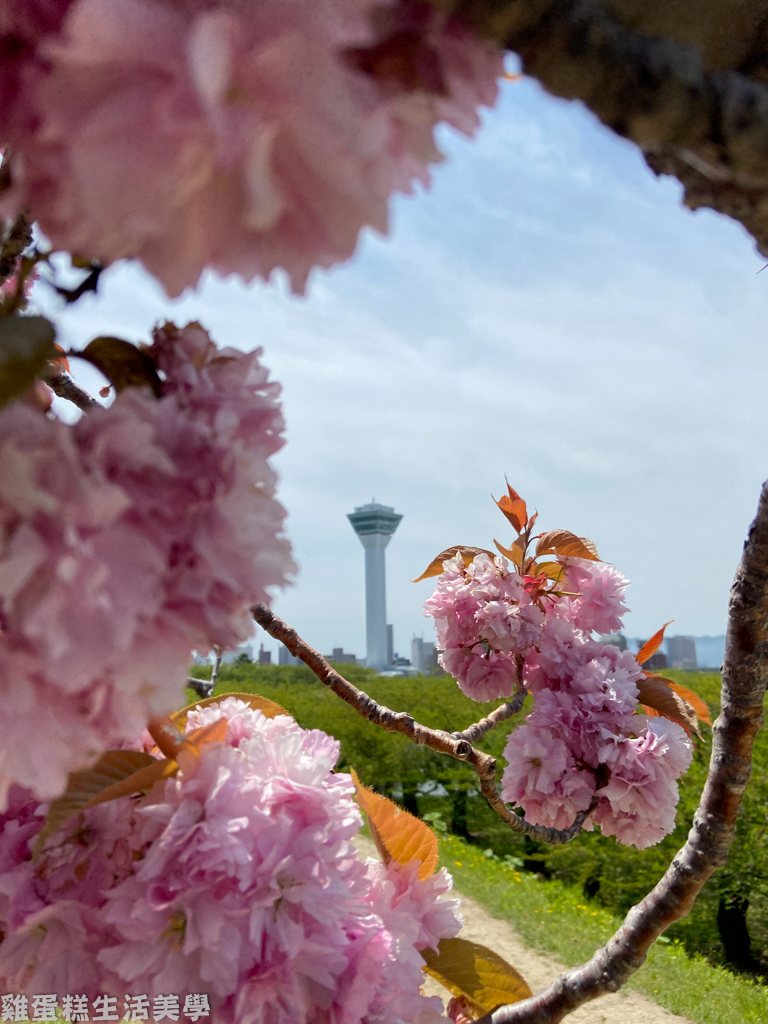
[374, 524]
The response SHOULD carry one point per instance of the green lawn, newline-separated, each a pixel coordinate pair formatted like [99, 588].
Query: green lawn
[558, 919]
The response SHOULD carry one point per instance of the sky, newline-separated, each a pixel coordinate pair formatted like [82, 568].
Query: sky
[547, 311]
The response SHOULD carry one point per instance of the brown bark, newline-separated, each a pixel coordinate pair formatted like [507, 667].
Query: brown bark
[687, 80]
[62, 385]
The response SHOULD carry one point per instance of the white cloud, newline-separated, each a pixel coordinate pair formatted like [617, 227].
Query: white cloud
[547, 311]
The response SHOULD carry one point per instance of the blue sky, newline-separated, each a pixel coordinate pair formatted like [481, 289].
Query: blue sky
[548, 311]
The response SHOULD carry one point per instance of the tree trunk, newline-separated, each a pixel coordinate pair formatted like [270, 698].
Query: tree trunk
[734, 933]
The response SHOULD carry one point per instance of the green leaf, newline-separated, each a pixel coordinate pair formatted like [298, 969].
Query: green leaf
[269, 708]
[26, 346]
[475, 973]
[123, 364]
[398, 835]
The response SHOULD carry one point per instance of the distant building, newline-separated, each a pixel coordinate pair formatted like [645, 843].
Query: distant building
[284, 657]
[390, 644]
[374, 524]
[615, 640]
[681, 652]
[423, 655]
[265, 657]
[710, 651]
[341, 657]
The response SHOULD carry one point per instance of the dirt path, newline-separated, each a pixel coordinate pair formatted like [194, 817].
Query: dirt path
[540, 969]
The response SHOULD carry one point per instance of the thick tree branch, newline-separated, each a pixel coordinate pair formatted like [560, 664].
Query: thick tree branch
[455, 746]
[745, 674]
[687, 82]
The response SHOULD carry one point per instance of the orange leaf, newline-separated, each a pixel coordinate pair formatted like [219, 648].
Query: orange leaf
[141, 781]
[60, 360]
[215, 732]
[515, 554]
[654, 693]
[698, 705]
[514, 508]
[650, 647]
[475, 973]
[267, 707]
[112, 768]
[566, 544]
[398, 835]
[468, 553]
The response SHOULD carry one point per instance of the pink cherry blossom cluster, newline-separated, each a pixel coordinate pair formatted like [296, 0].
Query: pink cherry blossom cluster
[143, 532]
[584, 736]
[485, 619]
[233, 135]
[237, 875]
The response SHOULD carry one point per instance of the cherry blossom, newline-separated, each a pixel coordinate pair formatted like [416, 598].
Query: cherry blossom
[238, 136]
[238, 875]
[127, 541]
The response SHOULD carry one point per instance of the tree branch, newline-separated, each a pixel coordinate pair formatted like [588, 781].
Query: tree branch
[18, 239]
[62, 385]
[400, 721]
[686, 82]
[745, 673]
[501, 714]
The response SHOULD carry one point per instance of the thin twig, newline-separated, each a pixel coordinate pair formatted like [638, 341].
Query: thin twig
[745, 673]
[18, 239]
[501, 714]
[216, 666]
[405, 724]
[63, 386]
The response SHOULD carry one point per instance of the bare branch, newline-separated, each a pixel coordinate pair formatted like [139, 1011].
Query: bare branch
[216, 666]
[745, 674]
[501, 714]
[63, 386]
[400, 721]
[202, 687]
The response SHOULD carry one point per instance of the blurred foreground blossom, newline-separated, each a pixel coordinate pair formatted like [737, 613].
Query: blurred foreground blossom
[127, 541]
[238, 136]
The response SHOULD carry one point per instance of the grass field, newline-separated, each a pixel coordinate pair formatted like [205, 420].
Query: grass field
[556, 919]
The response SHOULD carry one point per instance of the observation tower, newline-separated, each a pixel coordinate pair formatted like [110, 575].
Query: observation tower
[374, 524]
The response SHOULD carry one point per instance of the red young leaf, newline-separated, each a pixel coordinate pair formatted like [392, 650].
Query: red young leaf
[468, 553]
[566, 544]
[655, 694]
[650, 647]
[698, 705]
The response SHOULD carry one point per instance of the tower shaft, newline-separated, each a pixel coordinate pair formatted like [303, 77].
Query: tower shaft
[374, 525]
